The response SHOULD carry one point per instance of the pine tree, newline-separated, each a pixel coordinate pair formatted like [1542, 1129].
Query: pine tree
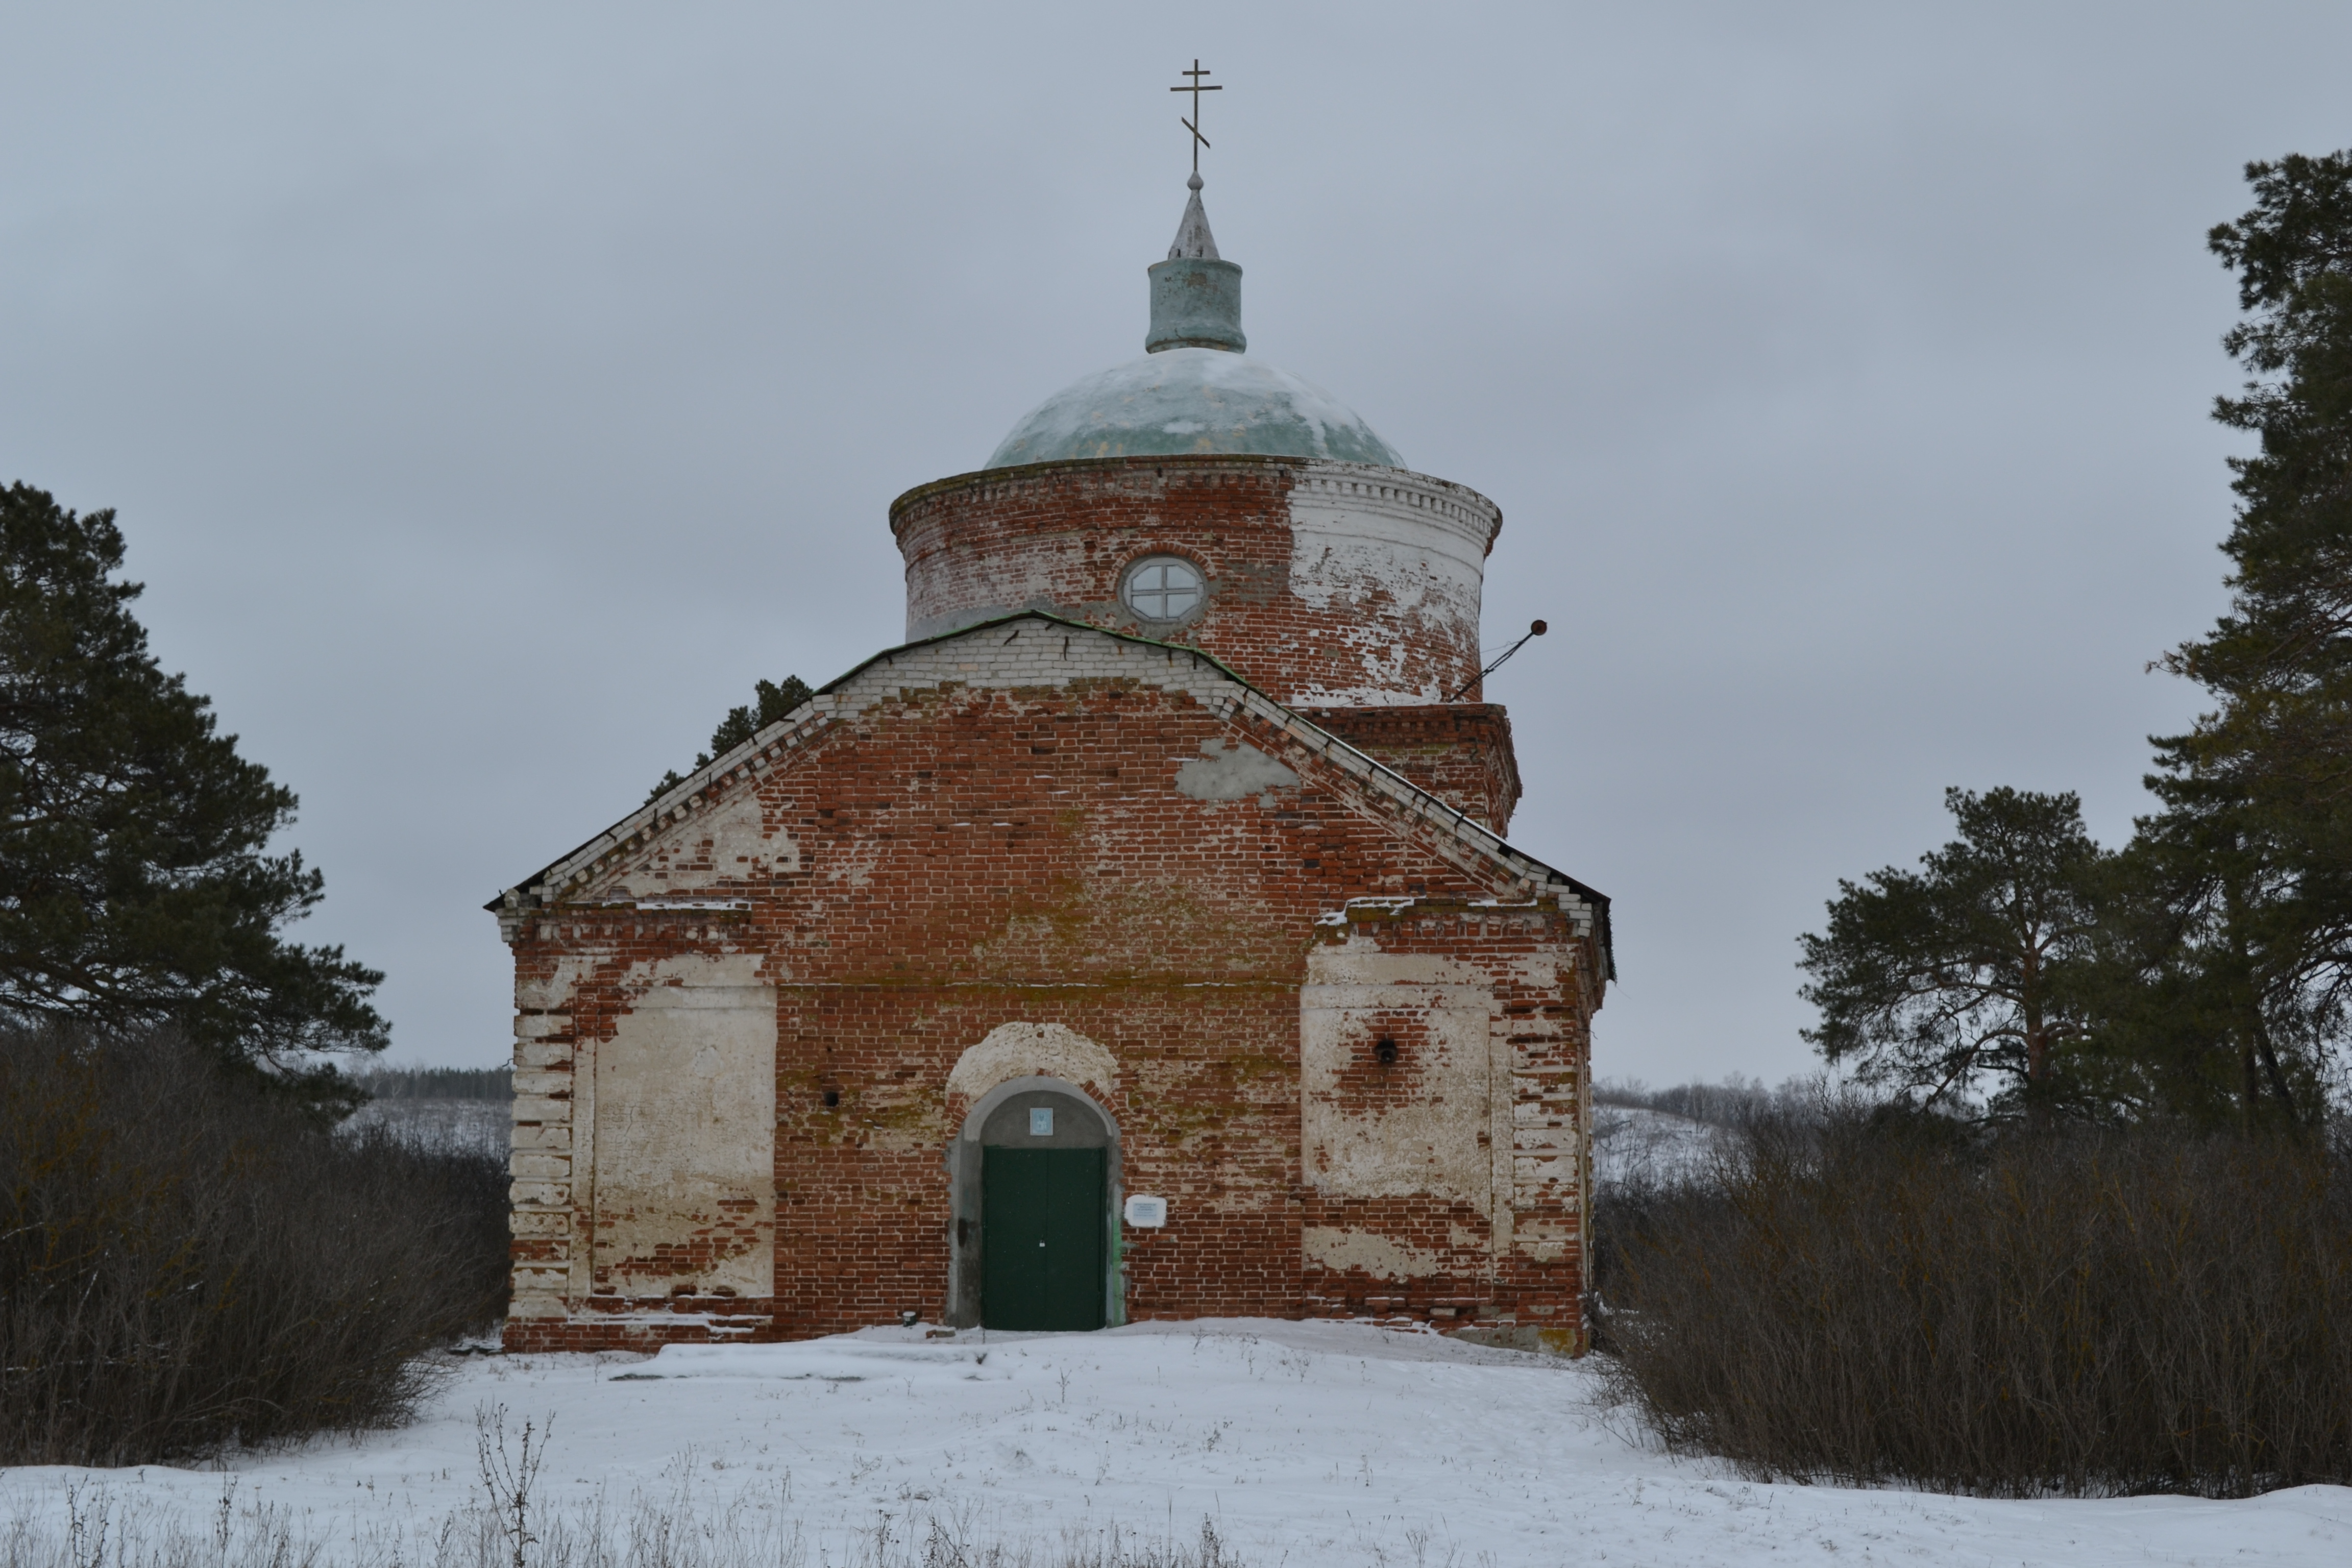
[1977, 967]
[771, 701]
[2259, 791]
[135, 883]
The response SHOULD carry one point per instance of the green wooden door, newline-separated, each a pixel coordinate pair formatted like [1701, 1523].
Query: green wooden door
[1041, 1238]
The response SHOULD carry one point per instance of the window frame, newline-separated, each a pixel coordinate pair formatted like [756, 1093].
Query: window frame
[1141, 563]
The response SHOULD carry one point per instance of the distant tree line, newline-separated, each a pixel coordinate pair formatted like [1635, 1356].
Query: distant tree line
[436, 1083]
[2204, 969]
[1731, 1103]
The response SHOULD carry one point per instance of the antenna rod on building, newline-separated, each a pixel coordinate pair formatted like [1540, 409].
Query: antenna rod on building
[1193, 125]
[1535, 629]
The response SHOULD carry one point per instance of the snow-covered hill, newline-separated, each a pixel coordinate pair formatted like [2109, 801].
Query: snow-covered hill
[474, 1125]
[1634, 1145]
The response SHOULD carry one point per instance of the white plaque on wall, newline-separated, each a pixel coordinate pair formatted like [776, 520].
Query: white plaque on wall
[1147, 1213]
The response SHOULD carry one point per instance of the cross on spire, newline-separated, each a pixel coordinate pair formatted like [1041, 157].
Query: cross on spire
[1193, 125]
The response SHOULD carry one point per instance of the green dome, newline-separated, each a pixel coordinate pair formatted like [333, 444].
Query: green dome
[1192, 400]
[1193, 391]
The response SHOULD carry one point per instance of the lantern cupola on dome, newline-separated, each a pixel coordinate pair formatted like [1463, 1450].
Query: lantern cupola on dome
[1196, 294]
[1194, 391]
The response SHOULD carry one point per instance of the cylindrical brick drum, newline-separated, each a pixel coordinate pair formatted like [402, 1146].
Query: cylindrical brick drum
[1325, 584]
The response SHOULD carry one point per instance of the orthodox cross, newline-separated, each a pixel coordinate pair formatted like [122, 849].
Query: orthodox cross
[1193, 125]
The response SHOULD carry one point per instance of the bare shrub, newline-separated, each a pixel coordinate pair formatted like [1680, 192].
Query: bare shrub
[509, 1478]
[1865, 1294]
[187, 1260]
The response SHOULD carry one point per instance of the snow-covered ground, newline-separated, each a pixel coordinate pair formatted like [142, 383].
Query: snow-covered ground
[1306, 1444]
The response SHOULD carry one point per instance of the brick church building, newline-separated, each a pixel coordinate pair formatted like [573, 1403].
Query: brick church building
[1139, 939]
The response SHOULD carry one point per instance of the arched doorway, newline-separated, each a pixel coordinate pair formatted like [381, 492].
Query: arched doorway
[1035, 1179]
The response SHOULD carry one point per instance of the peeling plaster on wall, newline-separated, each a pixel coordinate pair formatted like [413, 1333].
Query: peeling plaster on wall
[904, 1127]
[1439, 1142]
[1358, 963]
[701, 974]
[1350, 537]
[1544, 970]
[1033, 1050]
[1026, 657]
[742, 845]
[854, 868]
[1545, 1241]
[553, 991]
[1375, 1255]
[727, 844]
[685, 1132]
[1226, 770]
[1414, 562]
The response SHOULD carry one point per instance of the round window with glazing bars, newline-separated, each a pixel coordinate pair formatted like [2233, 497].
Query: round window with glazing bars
[1163, 588]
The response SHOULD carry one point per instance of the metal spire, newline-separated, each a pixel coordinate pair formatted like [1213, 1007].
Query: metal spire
[1193, 240]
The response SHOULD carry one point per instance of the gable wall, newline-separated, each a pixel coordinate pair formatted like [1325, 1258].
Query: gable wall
[1050, 829]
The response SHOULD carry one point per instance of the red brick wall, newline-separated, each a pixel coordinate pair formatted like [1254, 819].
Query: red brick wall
[973, 857]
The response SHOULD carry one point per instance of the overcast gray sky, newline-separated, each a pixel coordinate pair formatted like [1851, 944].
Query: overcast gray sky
[490, 394]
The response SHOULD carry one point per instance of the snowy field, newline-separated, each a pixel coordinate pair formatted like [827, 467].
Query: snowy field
[1305, 1443]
